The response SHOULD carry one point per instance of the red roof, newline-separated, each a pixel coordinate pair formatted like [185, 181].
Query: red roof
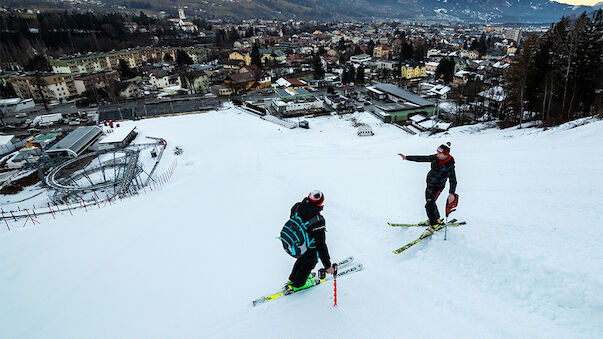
[295, 82]
[294, 57]
[274, 38]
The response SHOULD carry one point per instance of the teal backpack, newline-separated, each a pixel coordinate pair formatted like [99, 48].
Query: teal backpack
[295, 238]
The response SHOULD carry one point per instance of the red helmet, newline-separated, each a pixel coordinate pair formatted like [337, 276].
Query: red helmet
[317, 197]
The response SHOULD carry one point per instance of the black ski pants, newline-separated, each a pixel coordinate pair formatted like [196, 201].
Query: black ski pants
[431, 195]
[302, 268]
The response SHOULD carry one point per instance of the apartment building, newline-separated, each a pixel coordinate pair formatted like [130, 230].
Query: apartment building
[47, 85]
[79, 64]
[89, 81]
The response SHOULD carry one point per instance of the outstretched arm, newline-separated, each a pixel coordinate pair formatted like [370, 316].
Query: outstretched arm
[417, 158]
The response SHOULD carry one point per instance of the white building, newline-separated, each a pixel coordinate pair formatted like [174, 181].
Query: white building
[365, 130]
[161, 79]
[297, 105]
[361, 58]
[386, 64]
[16, 104]
[118, 138]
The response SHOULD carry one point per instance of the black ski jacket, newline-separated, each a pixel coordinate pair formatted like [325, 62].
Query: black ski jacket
[317, 228]
[440, 170]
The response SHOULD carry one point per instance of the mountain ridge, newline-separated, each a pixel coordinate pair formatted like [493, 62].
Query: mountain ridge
[430, 10]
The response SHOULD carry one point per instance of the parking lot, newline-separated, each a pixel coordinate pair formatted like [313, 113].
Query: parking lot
[360, 98]
[19, 123]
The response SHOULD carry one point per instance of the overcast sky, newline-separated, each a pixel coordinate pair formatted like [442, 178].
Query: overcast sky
[580, 2]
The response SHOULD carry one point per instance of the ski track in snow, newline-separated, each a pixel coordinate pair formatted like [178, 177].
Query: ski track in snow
[185, 261]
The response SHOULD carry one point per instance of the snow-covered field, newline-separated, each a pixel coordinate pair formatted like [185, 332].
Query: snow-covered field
[185, 261]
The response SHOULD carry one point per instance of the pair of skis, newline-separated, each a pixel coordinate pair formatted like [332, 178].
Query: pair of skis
[452, 222]
[429, 232]
[344, 267]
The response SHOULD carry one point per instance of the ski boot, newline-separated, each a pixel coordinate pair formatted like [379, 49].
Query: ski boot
[427, 223]
[433, 228]
[309, 283]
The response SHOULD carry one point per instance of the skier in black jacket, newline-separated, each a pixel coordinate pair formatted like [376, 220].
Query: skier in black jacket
[309, 210]
[442, 169]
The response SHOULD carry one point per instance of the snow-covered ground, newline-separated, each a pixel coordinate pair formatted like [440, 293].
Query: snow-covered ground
[186, 260]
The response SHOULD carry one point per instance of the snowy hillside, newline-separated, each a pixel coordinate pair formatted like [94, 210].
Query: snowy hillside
[186, 261]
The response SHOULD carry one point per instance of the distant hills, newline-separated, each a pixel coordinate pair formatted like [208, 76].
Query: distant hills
[439, 10]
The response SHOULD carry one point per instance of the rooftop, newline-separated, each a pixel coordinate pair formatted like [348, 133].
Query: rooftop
[76, 141]
[292, 93]
[403, 94]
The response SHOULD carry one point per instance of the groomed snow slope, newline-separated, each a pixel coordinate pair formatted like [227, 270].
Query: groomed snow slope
[186, 261]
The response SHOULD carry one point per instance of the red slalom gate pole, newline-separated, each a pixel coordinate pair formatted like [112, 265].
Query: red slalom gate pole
[96, 201]
[51, 211]
[83, 202]
[69, 208]
[33, 221]
[5, 221]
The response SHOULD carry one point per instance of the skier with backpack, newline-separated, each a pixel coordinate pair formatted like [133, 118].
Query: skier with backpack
[304, 238]
[442, 169]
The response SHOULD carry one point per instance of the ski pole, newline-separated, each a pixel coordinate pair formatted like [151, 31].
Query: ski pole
[335, 285]
[446, 227]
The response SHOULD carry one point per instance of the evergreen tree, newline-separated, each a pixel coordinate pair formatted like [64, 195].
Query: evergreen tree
[360, 75]
[319, 72]
[343, 58]
[38, 63]
[7, 91]
[407, 51]
[124, 70]
[182, 58]
[445, 70]
[357, 50]
[341, 45]
[233, 35]
[418, 52]
[256, 59]
[518, 75]
[371, 47]
[352, 74]
[344, 76]
[249, 32]
[563, 73]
